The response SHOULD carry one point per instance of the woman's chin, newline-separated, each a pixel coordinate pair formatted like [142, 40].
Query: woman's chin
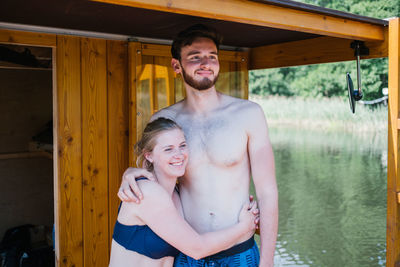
[178, 173]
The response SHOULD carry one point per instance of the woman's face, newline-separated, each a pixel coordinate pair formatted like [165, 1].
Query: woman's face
[170, 153]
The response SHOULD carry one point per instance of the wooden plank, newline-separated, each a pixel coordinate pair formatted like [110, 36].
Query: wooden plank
[134, 68]
[393, 184]
[170, 83]
[180, 92]
[264, 14]
[165, 51]
[324, 50]
[244, 76]
[118, 123]
[151, 68]
[156, 50]
[233, 56]
[94, 152]
[27, 38]
[24, 155]
[222, 84]
[144, 92]
[68, 182]
[162, 81]
[234, 89]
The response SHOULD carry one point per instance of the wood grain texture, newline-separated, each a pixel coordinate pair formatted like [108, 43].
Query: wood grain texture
[393, 184]
[244, 76]
[223, 83]
[118, 123]
[95, 152]
[164, 76]
[134, 68]
[68, 190]
[145, 102]
[263, 14]
[28, 38]
[165, 51]
[311, 51]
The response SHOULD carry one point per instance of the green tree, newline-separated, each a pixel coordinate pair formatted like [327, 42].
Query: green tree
[329, 80]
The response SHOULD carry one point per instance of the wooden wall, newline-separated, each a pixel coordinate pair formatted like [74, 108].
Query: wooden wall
[92, 150]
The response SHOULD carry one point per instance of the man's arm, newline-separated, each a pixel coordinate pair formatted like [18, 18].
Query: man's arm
[129, 191]
[263, 173]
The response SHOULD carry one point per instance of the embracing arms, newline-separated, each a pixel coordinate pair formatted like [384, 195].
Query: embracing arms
[159, 212]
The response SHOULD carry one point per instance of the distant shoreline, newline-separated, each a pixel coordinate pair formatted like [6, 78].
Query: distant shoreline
[322, 114]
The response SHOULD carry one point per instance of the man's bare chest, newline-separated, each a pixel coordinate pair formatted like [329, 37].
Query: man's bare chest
[219, 141]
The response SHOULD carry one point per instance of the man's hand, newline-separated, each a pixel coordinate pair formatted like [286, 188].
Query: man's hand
[129, 191]
[257, 220]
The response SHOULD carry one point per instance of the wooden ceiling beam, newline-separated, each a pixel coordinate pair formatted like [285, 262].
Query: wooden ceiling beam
[27, 38]
[263, 14]
[311, 51]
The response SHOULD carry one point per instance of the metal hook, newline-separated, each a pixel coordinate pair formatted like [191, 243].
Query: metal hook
[359, 50]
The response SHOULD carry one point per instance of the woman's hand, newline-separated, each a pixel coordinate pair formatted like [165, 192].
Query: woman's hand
[129, 190]
[249, 215]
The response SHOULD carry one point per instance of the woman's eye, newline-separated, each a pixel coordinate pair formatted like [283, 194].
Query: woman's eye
[168, 149]
[183, 146]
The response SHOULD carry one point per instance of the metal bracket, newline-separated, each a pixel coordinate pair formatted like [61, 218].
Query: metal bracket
[359, 50]
[356, 94]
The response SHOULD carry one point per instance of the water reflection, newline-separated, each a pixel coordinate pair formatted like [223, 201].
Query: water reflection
[332, 198]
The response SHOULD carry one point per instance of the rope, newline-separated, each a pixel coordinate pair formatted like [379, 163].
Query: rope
[371, 102]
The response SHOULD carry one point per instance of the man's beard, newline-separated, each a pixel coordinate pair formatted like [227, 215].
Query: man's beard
[203, 84]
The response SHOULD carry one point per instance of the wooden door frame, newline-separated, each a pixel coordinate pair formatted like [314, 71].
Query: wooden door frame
[16, 37]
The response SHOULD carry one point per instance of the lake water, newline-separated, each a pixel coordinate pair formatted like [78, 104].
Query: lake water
[332, 198]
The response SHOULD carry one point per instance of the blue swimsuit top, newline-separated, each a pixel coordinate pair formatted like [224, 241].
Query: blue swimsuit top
[141, 239]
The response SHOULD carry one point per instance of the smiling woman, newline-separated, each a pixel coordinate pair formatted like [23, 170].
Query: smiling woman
[152, 233]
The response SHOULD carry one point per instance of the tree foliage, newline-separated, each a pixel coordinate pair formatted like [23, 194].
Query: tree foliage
[329, 80]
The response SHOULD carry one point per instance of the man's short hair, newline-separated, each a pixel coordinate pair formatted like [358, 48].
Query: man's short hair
[189, 35]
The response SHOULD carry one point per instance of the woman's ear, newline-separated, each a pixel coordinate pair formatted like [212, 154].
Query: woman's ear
[176, 65]
[148, 157]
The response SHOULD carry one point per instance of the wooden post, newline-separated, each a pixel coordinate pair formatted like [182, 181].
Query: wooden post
[134, 68]
[94, 152]
[68, 182]
[393, 183]
[118, 95]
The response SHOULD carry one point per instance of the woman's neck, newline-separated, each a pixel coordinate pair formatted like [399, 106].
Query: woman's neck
[167, 182]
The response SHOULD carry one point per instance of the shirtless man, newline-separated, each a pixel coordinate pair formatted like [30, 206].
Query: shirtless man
[228, 142]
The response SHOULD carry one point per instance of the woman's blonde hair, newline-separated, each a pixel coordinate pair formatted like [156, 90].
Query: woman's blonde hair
[148, 140]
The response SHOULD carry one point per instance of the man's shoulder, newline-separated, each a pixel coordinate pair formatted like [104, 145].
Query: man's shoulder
[242, 105]
[169, 112]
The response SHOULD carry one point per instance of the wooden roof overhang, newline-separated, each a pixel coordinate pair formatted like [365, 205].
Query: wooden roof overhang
[278, 32]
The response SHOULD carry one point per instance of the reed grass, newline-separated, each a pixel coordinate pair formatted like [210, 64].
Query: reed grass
[325, 114]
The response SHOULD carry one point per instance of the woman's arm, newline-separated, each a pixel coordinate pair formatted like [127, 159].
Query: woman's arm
[159, 213]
